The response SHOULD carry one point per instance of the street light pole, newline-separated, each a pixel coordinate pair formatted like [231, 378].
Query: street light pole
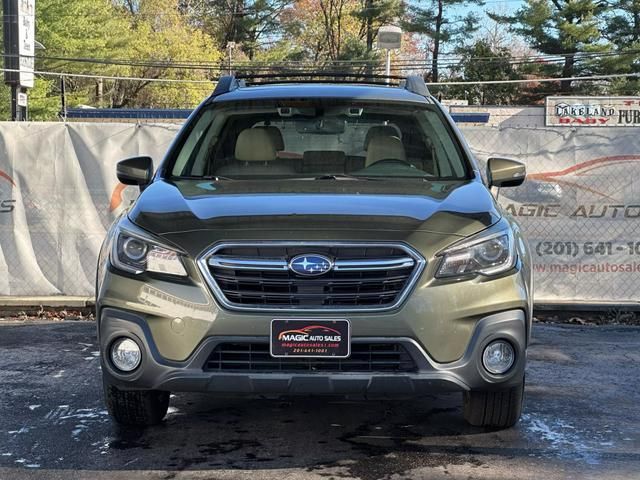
[388, 69]
[389, 38]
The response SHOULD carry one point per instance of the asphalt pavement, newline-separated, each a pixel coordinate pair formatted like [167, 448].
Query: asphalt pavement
[581, 420]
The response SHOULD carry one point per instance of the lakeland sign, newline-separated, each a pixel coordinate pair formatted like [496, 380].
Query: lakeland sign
[592, 111]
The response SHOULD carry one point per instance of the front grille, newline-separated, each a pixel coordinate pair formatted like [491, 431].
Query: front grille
[371, 277]
[255, 357]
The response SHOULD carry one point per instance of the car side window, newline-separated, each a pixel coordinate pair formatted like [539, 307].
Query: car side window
[446, 154]
[193, 145]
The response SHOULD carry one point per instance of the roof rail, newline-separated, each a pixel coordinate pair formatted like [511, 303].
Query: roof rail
[412, 83]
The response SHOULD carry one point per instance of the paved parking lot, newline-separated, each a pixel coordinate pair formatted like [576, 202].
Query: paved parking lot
[582, 420]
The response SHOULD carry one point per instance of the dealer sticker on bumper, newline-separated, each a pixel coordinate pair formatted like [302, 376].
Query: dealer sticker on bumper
[310, 338]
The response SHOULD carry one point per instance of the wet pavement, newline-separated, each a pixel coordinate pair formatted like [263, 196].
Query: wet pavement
[581, 420]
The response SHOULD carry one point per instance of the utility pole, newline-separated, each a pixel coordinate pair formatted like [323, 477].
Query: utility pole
[19, 52]
[230, 47]
[100, 92]
[63, 98]
[16, 114]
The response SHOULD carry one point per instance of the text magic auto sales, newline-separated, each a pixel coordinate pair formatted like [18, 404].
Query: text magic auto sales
[305, 340]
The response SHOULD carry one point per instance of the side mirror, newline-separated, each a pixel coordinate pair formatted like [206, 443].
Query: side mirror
[135, 171]
[504, 172]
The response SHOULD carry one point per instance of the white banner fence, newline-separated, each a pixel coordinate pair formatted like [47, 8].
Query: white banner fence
[580, 207]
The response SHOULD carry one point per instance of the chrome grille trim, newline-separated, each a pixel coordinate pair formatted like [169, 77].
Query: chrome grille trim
[209, 259]
[379, 264]
[236, 263]
[239, 263]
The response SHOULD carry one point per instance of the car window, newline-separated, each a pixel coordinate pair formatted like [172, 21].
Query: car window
[317, 138]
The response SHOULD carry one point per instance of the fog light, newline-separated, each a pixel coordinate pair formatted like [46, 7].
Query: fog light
[498, 357]
[125, 354]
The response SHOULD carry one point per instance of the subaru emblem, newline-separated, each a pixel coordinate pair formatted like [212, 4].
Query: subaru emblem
[310, 265]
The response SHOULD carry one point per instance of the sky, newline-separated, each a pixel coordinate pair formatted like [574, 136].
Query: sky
[493, 5]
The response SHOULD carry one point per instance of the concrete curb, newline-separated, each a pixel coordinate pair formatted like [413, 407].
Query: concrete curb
[60, 301]
[563, 306]
[36, 306]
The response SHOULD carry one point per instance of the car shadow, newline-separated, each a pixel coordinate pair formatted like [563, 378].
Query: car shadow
[203, 432]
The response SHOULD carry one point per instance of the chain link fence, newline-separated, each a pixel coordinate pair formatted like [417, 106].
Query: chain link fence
[59, 194]
[579, 209]
[580, 206]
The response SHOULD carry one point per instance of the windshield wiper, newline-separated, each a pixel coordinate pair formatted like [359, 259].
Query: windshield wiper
[339, 176]
[217, 178]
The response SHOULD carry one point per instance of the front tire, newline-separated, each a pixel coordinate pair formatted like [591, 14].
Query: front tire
[140, 408]
[495, 409]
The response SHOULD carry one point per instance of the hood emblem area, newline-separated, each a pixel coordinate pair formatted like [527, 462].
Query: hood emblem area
[310, 265]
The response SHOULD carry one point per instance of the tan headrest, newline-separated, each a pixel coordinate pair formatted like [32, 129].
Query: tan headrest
[276, 136]
[255, 145]
[380, 131]
[381, 148]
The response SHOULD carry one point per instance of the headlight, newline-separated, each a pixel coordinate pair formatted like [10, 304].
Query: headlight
[486, 256]
[135, 254]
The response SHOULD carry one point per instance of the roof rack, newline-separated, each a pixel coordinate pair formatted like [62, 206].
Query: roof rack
[412, 83]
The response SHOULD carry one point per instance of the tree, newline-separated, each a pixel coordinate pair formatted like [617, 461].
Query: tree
[245, 22]
[438, 22]
[375, 13]
[326, 30]
[161, 39]
[65, 29]
[128, 38]
[332, 14]
[622, 30]
[623, 22]
[560, 27]
[480, 62]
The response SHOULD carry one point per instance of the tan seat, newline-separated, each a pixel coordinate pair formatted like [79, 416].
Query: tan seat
[255, 145]
[276, 136]
[255, 155]
[383, 148]
[381, 131]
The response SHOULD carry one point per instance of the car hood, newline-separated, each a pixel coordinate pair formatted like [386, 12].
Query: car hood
[453, 208]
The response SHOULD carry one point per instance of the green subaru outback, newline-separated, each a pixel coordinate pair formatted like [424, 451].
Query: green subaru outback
[309, 238]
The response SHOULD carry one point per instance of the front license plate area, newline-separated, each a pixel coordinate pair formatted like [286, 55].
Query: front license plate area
[310, 338]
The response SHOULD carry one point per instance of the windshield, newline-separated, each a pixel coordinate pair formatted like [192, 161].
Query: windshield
[319, 139]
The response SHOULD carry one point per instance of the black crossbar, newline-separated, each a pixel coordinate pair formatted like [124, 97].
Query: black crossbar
[246, 76]
[413, 83]
[323, 81]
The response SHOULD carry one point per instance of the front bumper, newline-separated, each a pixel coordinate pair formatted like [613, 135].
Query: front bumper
[466, 373]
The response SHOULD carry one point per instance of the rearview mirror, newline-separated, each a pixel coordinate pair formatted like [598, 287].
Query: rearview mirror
[504, 172]
[135, 171]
